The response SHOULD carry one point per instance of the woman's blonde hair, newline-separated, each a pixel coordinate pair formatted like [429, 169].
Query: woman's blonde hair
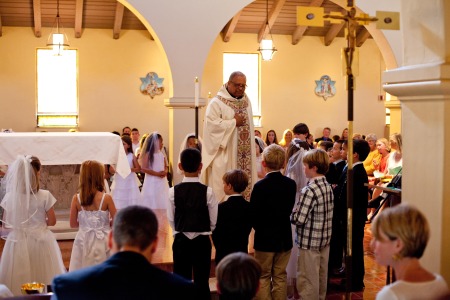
[404, 222]
[386, 143]
[397, 138]
[91, 180]
[283, 140]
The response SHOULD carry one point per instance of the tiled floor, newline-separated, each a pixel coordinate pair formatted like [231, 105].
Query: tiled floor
[375, 277]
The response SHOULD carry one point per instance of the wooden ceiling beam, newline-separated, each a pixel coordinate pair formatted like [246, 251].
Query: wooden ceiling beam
[229, 28]
[362, 36]
[332, 33]
[37, 18]
[118, 19]
[300, 30]
[78, 18]
[273, 15]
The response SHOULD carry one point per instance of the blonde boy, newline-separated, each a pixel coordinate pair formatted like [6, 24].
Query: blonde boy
[271, 204]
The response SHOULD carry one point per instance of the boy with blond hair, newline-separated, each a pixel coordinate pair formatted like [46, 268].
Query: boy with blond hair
[271, 204]
[312, 217]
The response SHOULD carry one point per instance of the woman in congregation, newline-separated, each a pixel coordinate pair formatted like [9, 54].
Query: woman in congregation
[384, 149]
[310, 140]
[287, 139]
[125, 191]
[30, 252]
[155, 190]
[271, 137]
[400, 236]
[92, 212]
[393, 168]
[344, 135]
[395, 160]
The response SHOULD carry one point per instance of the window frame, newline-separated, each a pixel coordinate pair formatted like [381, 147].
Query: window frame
[57, 118]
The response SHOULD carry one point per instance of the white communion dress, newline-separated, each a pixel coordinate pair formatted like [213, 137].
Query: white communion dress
[31, 252]
[125, 191]
[155, 190]
[90, 244]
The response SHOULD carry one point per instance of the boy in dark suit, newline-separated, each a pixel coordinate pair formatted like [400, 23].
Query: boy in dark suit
[360, 199]
[128, 274]
[192, 214]
[233, 221]
[272, 200]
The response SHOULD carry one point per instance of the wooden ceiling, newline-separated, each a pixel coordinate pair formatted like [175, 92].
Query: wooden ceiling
[110, 14]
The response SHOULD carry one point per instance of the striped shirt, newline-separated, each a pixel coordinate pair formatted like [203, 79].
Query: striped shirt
[312, 215]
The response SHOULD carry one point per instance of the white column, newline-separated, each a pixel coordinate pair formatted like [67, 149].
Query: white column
[423, 87]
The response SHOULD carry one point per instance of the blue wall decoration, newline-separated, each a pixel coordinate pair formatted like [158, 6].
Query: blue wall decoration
[325, 87]
[152, 85]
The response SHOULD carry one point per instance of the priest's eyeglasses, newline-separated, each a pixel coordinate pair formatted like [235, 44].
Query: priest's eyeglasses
[238, 85]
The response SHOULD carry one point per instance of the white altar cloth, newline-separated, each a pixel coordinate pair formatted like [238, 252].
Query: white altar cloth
[64, 148]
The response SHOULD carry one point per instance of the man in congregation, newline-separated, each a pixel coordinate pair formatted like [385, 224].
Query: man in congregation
[228, 136]
[325, 135]
[128, 274]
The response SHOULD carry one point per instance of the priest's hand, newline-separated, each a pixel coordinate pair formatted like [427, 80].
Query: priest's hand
[239, 120]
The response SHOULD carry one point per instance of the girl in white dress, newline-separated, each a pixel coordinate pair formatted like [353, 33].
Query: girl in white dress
[189, 142]
[92, 211]
[155, 190]
[31, 252]
[125, 191]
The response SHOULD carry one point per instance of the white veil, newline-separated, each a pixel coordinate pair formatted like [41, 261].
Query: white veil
[150, 147]
[20, 181]
[184, 145]
[295, 168]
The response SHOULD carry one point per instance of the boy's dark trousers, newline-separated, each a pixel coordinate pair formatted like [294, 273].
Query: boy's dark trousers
[193, 257]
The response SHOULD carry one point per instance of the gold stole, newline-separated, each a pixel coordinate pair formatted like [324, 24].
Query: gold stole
[244, 151]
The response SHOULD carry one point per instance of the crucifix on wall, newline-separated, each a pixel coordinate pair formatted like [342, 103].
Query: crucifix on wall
[315, 16]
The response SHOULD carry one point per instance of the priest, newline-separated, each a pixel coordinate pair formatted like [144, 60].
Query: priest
[228, 136]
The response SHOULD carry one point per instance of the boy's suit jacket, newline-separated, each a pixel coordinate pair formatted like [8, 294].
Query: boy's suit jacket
[272, 200]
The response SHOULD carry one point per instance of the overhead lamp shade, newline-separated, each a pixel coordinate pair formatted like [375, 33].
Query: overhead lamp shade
[58, 42]
[267, 49]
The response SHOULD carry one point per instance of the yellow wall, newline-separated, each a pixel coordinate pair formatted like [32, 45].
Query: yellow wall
[288, 83]
[109, 72]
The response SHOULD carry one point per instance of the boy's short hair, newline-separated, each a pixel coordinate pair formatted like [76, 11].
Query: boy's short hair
[190, 160]
[237, 178]
[274, 156]
[238, 276]
[327, 144]
[317, 158]
[362, 148]
[300, 128]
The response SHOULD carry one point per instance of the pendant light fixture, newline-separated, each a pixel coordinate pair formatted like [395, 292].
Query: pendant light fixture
[57, 40]
[266, 46]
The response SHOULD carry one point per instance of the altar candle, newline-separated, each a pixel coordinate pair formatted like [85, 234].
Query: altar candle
[197, 92]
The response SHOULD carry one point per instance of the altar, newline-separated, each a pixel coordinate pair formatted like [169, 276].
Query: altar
[61, 153]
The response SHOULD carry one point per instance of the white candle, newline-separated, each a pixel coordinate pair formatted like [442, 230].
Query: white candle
[197, 92]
